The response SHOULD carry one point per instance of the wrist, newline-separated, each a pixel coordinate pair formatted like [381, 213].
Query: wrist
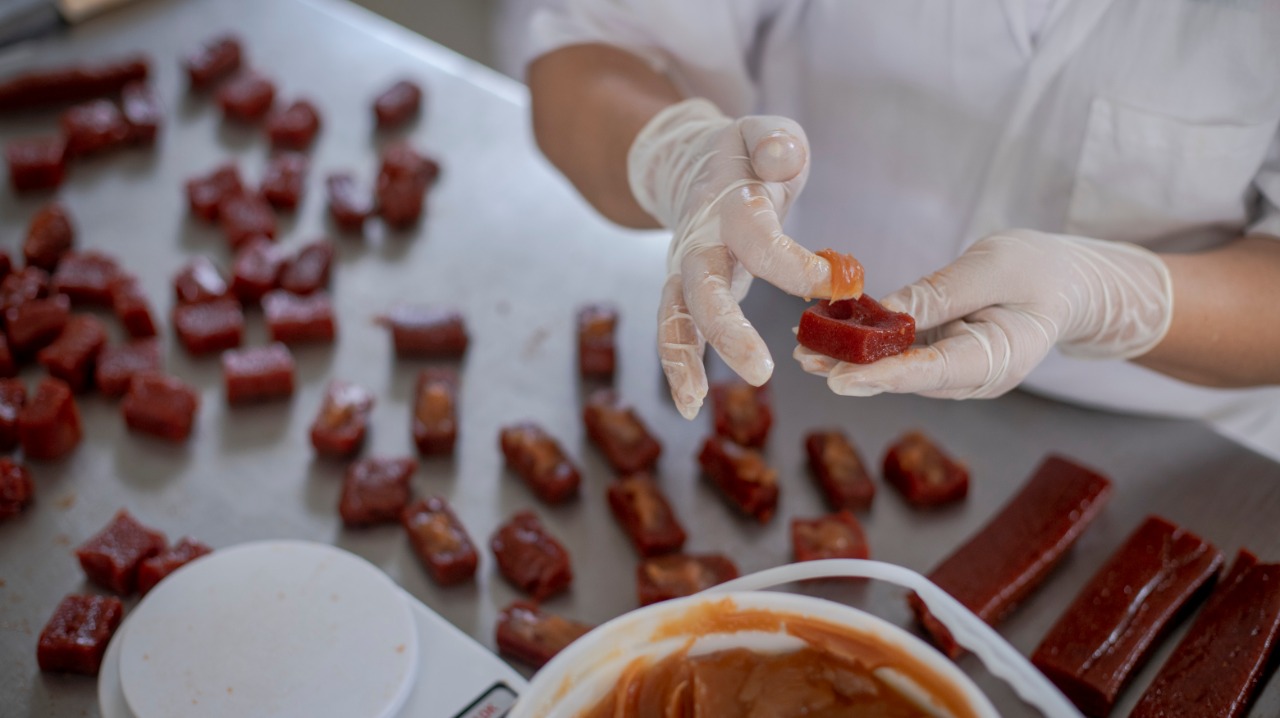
[1128, 305]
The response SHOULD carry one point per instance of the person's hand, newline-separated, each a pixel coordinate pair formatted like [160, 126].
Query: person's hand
[986, 320]
[722, 186]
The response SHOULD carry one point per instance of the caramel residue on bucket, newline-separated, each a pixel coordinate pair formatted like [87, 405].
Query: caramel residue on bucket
[846, 275]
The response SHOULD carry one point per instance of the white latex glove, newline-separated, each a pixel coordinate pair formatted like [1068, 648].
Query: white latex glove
[722, 186]
[986, 320]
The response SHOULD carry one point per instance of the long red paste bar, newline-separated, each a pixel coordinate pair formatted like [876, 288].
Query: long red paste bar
[1110, 630]
[1012, 554]
[1226, 655]
[74, 83]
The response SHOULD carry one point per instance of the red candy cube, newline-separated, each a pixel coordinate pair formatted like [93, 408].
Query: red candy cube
[742, 477]
[258, 374]
[340, 426]
[86, 278]
[36, 163]
[206, 193]
[400, 102]
[426, 332]
[402, 184]
[597, 357]
[160, 405]
[295, 126]
[440, 541]
[111, 558]
[131, 307]
[837, 535]
[435, 412]
[158, 567]
[119, 363]
[662, 578]
[839, 471]
[247, 98]
[347, 205]
[142, 112]
[619, 433]
[49, 236]
[22, 286]
[13, 396]
[199, 282]
[34, 325]
[530, 558]
[6, 264]
[645, 514]
[71, 356]
[209, 327]
[49, 424]
[75, 638]
[16, 489]
[8, 363]
[528, 634]
[244, 217]
[538, 459]
[256, 270]
[375, 491]
[296, 320]
[94, 127]
[285, 180]
[309, 270]
[742, 413]
[924, 474]
[213, 61]
[855, 330]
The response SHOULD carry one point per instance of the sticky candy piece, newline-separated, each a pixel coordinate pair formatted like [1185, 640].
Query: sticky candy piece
[258, 374]
[36, 163]
[162, 406]
[111, 558]
[644, 513]
[426, 332]
[142, 112]
[16, 488]
[742, 412]
[49, 424]
[50, 235]
[212, 61]
[72, 355]
[206, 193]
[33, 325]
[309, 270]
[676, 575]
[256, 270]
[299, 320]
[13, 396]
[53, 86]
[285, 180]
[247, 97]
[839, 470]
[131, 307]
[294, 126]
[75, 638]
[199, 282]
[245, 217]
[619, 433]
[837, 535]
[538, 459]
[157, 568]
[94, 127]
[533, 636]
[855, 330]
[375, 491]
[923, 472]
[530, 558]
[597, 356]
[440, 541]
[86, 278]
[397, 104]
[742, 476]
[209, 327]
[339, 427]
[347, 206]
[435, 412]
[117, 364]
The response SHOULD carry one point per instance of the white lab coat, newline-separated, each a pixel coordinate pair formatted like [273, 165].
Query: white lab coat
[935, 122]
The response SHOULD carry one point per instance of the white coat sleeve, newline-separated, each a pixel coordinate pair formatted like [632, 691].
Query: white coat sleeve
[705, 46]
[1267, 182]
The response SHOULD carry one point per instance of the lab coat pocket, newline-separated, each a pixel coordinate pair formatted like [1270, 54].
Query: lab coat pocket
[1144, 176]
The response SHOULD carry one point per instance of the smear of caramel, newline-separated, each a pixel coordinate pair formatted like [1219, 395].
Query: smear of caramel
[846, 275]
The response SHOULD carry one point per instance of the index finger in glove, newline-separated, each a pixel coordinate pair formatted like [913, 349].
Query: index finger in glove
[680, 348]
[707, 276]
[751, 229]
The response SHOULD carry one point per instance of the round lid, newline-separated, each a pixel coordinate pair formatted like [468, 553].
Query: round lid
[282, 628]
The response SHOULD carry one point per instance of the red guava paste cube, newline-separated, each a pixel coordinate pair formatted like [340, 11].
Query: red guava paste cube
[397, 104]
[35, 324]
[256, 270]
[247, 97]
[118, 363]
[22, 286]
[297, 320]
[742, 477]
[923, 472]
[71, 356]
[375, 491]
[131, 307]
[198, 282]
[6, 264]
[347, 205]
[309, 270]
[8, 363]
[597, 357]
[426, 332]
[207, 192]
[742, 412]
[49, 424]
[212, 61]
[36, 163]
[839, 470]
[209, 327]
[258, 374]
[75, 638]
[440, 541]
[71, 83]
[157, 568]
[86, 278]
[294, 126]
[644, 513]
[837, 535]
[285, 180]
[94, 127]
[142, 112]
[111, 558]
[532, 636]
[530, 557]
[855, 330]
[435, 412]
[163, 406]
[13, 396]
[16, 489]
[619, 433]
[244, 217]
[538, 459]
[402, 184]
[49, 236]
[342, 421]
[662, 578]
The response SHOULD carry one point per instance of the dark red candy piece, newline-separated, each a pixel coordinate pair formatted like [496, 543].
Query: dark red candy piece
[375, 491]
[258, 374]
[426, 332]
[142, 112]
[663, 578]
[71, 83]
[213, 61]
[309, 270]
[86, 278]
[839, 470]
[111, 558]
[855, 330]
[247, 97]
[22, 286]
[34, 325]
[131, 307]
[742, 477]
[619, 433]
[75, 638]
[199, 282]
[597, 357]
[435, 412]
[209, 327]
[119, 363]
[13, 396]
[36, 163]
[538, 459]
[440, 541]
[16, 489]
[285, 180]
[742, 412]
[8, 363]
[94, 127]
[340, 426]
[299, 320]
[6, 264]
[49, 236]
[402, 184]
[294, 126]
[400, 102]
[71, 356]
[256, 270]
[245, 217]
[837, 535]
[645, 514]
[160, 405]
[530, 558]
[530, 635]
[1119, 619]
[158, 567]
[206, 193]
[924, 474]
[347, 205]
[49, 424]
[400, 162]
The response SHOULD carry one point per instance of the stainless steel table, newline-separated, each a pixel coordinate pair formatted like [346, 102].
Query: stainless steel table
[508, 240]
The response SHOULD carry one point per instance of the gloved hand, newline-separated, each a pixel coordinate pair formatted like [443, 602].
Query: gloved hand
[722, 186]
[986, 320]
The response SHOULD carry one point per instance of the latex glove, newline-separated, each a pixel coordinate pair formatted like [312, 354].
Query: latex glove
[985, 321]
[722, 186]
